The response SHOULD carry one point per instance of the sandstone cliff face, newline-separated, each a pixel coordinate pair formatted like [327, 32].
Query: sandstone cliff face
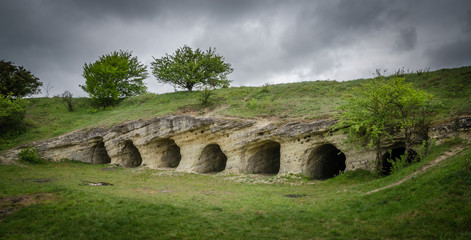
[203, 145]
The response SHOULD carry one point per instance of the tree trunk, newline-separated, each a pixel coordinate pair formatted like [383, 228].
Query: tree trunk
[379, 162]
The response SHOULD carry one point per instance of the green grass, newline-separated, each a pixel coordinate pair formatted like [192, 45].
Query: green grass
[153, 204]
[48, 117]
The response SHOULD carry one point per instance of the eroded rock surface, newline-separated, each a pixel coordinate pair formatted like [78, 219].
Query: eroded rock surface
[208, 144]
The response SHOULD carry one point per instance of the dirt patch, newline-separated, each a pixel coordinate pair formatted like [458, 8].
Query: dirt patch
[287, 179]
[87, 183]
[432, 163]
[295, 195]
[9, 205]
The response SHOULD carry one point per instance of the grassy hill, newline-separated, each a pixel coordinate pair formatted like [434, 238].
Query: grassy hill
[54, 200]
[48, 117]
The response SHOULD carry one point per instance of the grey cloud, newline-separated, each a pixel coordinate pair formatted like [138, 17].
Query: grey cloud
[264, 40]
[407, 39]
[451, 54]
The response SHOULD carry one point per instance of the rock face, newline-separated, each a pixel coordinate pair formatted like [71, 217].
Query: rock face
[204, 145]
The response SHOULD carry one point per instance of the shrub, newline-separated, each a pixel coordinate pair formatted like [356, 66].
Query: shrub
[398, 163]
[205, 97]
[12, 113]
[30, 155]
[67, 98]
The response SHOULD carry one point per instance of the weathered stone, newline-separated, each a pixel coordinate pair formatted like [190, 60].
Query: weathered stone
[191, 144]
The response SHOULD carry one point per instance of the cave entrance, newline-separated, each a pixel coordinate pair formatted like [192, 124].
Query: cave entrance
[100, 155]
[265, 158]
[212, 159]
[170, 151]
[395, 154]
[130, 155]
[325, 161]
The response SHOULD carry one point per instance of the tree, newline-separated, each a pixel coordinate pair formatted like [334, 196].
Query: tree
[382, 107]
[12, 113]
[67, 97]
[114, 76]
[17, 82]
[189, 69]
[412, 107]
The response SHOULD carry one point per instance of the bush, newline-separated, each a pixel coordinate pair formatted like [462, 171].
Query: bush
[67, 97]
[205, 97]
[30, 155]
[12, 113]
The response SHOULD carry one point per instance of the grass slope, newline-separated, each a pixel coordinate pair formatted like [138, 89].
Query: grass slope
[153, 204]
[48, 117]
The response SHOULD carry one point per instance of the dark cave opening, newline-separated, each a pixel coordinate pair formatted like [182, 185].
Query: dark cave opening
[130, 155]
[265, 158]
[171, 155]
[212, 159]
[325, 161]
[394, 155]
[100, 155]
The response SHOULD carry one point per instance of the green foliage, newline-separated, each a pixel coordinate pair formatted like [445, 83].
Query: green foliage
[383, 106]
[114, 76]
[188, 68]
[398, 163]
[30, 155]
[16, 81]
[12, 113]
[205, 96]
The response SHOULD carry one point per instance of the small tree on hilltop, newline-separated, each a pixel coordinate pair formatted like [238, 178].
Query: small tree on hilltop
[189, 69]
[17, 82]
[113, 76]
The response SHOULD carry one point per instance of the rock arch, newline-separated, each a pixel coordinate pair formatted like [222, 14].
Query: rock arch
[324, 161]
[212, 159]
[130, 156]
[264, 158]
[394, 153]
[99, 154]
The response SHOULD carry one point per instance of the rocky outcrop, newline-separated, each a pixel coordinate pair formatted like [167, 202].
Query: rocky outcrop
[202, 145]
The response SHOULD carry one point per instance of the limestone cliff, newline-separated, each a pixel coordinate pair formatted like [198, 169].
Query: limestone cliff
[202, 145]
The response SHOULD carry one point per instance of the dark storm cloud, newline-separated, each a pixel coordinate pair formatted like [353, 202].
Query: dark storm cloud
[407, 39]
[264, 40]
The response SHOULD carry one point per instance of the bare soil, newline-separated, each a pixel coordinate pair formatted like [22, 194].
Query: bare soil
[11, 204]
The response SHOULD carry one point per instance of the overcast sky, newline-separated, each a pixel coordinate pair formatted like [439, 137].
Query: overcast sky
[265, 41]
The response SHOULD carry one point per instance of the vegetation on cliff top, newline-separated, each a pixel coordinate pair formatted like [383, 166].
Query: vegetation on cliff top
[49, 117]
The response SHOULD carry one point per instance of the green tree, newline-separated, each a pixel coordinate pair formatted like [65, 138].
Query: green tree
[12, 113]
[413, 109]
[382, 107]
[17, 82]
[189, 69]
[114, 76]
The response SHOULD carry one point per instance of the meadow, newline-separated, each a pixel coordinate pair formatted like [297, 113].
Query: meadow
[73, 200]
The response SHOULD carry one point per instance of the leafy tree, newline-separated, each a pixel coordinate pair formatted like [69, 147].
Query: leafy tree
[382, 107]
[188, 68]
[12, 113]
[412, 106]
[17, 82]
[113, 76]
